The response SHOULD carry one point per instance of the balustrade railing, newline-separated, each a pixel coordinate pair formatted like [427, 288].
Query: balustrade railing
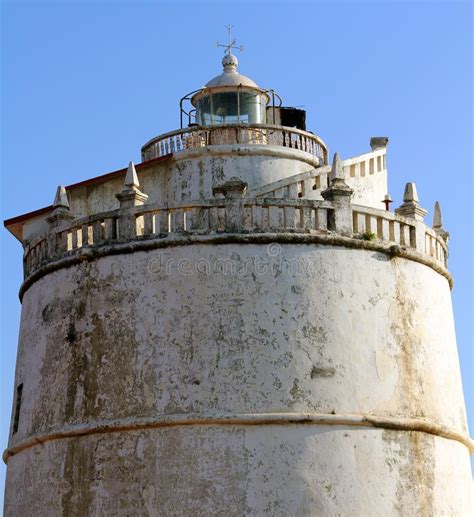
[366, 164]
[384, 226]
[254, 134]
[370, 224]
[436, 247]
[228, 215]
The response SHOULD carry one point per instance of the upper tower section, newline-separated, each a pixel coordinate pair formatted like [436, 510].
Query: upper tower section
[233, 110]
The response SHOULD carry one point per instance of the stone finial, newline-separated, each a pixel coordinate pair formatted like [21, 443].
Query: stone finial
[60, 199]
[131, 195]
[411, 206]
[437, 217]
[131, 178]
[410, 195]
[337, 171]
[60, 212]
[233, 188]
[438, 223]
[338, 189]
[378, 142]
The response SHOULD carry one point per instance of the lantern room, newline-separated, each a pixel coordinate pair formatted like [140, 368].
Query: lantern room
[230, 98]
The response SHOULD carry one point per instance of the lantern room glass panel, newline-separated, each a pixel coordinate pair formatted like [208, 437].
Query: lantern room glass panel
[252, 108]
[203, 111]
[231, 108]
[225, 108]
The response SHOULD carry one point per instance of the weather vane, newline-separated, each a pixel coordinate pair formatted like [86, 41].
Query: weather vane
[231, 44]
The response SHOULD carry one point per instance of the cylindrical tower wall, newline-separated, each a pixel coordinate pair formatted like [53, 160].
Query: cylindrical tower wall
[193, 174]
[239, 379]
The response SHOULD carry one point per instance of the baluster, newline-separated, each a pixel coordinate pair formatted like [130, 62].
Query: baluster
[306, 218]
[178, 220]
[308, 186]
[265, 217]
[38, 253]
[368, 225]
[213, 218]
[35, 259]
[331, 219]
[379, 228]
[148, 223]
[412, 236]
[110, 229]
[391, 231]
[221, 219]
[188, 220]
[31, 257]
[68, 243]
[257, 217]
[322, 219]
[293, 191]
[355, 222]
[402, 234]
[74, 238]
[26, 263]
[275, 220]
[248, 219]
[86, 241]
[96, 232]
[291, 217]
[200, 217]
[164, 221]
[314, 218]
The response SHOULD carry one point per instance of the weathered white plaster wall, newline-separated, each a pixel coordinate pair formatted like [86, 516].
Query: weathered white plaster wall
[369, 190]
[243, 470]
[240, 329]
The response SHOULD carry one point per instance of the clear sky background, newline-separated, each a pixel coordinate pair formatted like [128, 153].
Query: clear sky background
[85, 84]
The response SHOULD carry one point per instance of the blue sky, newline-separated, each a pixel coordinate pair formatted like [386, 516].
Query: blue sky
[85, 84]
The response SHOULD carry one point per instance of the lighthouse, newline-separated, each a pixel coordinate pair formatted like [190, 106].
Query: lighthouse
[237, 325]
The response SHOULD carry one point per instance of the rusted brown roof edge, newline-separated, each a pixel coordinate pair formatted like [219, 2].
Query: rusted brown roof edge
[91, 181]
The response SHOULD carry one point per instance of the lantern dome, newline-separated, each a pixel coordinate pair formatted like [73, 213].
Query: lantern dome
[230, 76]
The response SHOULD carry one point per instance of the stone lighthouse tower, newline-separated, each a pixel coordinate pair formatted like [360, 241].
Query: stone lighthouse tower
[236, 326]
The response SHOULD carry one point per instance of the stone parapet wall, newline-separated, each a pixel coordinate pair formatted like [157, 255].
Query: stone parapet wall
[238, 215]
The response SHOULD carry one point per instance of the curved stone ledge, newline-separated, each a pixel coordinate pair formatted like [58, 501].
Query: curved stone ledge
[245, 419]
[248, 150]
[92, 253]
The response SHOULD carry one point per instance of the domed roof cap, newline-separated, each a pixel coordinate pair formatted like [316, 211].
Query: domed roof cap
[230, 76]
